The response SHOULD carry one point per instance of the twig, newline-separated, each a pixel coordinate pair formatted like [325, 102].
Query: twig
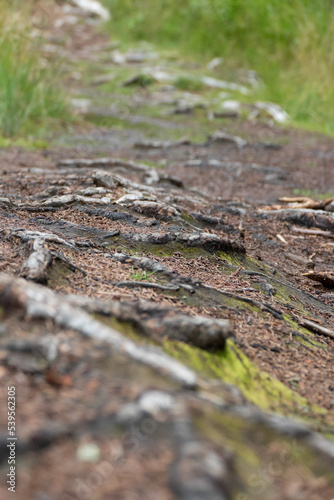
[316, 328]
[316, 232]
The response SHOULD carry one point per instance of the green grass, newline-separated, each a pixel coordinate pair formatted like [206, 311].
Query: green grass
[141, 275]
[310, 193]
[29, 98]
[289, 44]
[189, 84]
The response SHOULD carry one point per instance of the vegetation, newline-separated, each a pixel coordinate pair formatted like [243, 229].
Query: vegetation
[141, 275]
[28, 96]
[189, 84]
[289, 44]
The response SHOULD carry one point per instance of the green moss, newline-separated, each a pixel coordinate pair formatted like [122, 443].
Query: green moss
[303, 331]
[246, 262]
[254, 447]
[164, 250]
[124, 327]
[233, 367]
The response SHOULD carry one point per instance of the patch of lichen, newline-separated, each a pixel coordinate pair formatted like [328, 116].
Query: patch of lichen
[233, 367]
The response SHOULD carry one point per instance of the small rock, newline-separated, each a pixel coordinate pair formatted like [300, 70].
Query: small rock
[81, 106]
[133, 197]
[274, 110]
[89, 452]
[223, 137]
[220, 84]
[230, 105]
[103, 179]
[129, 414]
[156, 401]
[214, 63]
[140, 56]
[62, 21]
[200, 472]
[93, 7]
[153, 209]
[91, 191]
[5, 201]
[117, 57]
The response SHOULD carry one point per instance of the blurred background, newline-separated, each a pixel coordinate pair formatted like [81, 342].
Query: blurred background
[287, 46]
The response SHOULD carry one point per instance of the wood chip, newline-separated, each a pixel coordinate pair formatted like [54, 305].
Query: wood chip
[326, 278]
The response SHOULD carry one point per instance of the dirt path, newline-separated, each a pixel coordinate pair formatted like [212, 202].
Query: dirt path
[166, 321]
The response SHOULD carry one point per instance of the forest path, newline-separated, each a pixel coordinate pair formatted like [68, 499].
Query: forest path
[178, 339]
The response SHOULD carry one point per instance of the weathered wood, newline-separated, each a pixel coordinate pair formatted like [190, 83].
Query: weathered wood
[161, 322]
[27, 235]
[40, 302]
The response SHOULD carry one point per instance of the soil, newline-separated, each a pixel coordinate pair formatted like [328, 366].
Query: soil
[262, 410]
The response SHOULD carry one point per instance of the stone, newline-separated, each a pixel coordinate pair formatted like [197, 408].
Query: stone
[81, 106]
[93, 7]
[214, 63]
[103, 179]
[200, 472]
[89, 452]
[132, 197]
[274, 110]
[223, 137]
[220, 84]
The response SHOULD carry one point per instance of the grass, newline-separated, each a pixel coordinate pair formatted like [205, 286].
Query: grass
[141, 275]
[29, 98]
[310, 193]
[289, 44]
[189, 84]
